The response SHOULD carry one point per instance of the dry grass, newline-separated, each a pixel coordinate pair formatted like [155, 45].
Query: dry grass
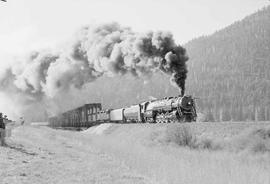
[255, 139]
[181, 135]
[179, 154]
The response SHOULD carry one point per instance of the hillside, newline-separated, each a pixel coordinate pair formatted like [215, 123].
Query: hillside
[230, 70]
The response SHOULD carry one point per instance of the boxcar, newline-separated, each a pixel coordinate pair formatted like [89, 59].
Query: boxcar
[133, 113]
[103, 116]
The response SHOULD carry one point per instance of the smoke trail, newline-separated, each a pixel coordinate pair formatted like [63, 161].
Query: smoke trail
[111, 49]
[107, 49]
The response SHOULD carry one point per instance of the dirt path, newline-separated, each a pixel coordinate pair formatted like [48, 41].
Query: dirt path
[42, 155]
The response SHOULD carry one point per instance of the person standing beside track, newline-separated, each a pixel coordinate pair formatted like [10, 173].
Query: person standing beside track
[2, 130]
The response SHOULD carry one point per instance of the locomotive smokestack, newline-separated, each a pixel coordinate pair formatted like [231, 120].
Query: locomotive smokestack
[182, 92]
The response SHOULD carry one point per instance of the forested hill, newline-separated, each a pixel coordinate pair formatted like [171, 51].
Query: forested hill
[230, 70]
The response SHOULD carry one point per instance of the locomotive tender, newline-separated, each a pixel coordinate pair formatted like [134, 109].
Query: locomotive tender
[169, 109]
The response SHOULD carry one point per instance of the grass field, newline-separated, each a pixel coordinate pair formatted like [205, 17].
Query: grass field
[199, 153]
[196, 153]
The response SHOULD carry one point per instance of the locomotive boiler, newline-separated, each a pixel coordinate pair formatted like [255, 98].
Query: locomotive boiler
[169, 109]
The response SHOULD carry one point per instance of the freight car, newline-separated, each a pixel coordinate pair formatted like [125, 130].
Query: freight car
[169, 109]
[84, 116]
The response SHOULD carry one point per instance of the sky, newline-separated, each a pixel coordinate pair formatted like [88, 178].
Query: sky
[26, 25]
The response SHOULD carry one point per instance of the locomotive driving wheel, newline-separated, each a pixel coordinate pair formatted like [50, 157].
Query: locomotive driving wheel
[163, 118]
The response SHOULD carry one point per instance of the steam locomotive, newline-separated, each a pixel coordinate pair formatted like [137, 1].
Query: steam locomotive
[168, 109]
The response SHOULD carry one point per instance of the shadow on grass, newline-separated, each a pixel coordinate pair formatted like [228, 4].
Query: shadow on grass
[19, 148]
